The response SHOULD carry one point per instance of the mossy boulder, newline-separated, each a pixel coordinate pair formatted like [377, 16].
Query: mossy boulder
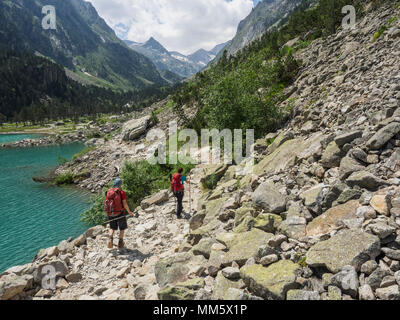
[213, 208]
[247, 224]
[287, 154]
[222, 286]
[205, 231]
[172, 269]
[245, 245]
[204, 247]
[347, 248]
[268, 222]
[273, 282]
[243, 212]
[172, 293]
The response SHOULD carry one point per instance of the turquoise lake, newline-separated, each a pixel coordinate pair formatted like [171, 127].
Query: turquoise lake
[33, 215]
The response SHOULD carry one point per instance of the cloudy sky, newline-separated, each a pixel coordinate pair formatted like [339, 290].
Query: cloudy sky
[179, 25]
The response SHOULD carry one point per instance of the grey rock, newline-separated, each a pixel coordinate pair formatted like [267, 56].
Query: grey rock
[375, 279]
[365, 180]
[349, 247]
[369, 267]
[391, 253]
[332, 156]
[383, 136]
[389, 293]
[231, 273]
[135, 128]
[347, 280]
[366, 293]
[269, 198]
[347, 138]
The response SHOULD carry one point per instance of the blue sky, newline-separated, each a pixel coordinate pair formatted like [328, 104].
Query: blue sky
[179, 25]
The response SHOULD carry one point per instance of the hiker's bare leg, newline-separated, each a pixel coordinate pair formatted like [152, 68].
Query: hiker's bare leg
[121, 234]
[111, 233]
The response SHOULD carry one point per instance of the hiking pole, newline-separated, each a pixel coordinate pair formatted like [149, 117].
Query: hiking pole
[127, 217]
[190, 198]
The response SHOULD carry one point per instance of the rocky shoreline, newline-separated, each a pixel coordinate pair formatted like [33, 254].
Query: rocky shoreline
[52, 139]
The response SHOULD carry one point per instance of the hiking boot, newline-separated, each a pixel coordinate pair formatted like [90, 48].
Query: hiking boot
[121, 244]
[110, 244]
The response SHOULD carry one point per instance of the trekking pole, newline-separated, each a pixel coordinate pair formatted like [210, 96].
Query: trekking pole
[190, 197]
[127, 217]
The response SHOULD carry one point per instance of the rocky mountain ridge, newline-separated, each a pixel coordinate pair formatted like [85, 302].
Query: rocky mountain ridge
[318, 219]
[266, 14]
[183, 65]
[82, 43]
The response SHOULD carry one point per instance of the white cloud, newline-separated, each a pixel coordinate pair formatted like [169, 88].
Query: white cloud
[180, 25]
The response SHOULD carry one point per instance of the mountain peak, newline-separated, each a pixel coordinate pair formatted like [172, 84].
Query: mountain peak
[155, 45]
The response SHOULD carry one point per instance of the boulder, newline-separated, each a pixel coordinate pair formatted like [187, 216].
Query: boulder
[332, 219]
[366, 293]
[204, 247]
[279, 140]
[156, 199]
[314, 197]
[348, 166]
[365, 180]
[273, 282]
[288, 153]
[172, 293]
[381, 204]
[231, 273]
[349, 247]
[389, 293]
[348, 137]
[332, 156]
[294, 227]
[222, 286]
[133, 129]
[173, 269]
[347, 280]
[12, 285]
[382, 137]
[59, 266]
[74, 277]
[269, 198]
[268, 222]
[178, 268]
[245, 245]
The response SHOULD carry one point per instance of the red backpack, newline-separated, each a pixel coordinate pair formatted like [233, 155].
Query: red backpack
[176, 183]
[113, 202]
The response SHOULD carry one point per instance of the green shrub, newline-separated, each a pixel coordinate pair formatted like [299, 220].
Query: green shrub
[210, 182]
[95, 215]
[379, 33]
[64, 179]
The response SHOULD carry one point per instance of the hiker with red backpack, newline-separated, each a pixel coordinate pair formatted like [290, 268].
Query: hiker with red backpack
[115, 205]
[178, 189]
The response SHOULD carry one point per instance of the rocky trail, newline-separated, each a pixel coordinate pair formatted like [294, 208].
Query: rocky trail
[317, 219]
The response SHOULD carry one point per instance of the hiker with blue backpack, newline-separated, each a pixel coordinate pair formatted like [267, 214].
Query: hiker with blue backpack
[115, 205]
[178, 189]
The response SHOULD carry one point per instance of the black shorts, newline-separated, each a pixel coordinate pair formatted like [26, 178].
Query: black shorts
[120, 224]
